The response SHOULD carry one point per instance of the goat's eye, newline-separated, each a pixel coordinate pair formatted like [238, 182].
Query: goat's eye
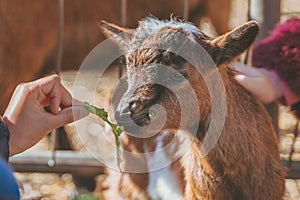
[177, 77]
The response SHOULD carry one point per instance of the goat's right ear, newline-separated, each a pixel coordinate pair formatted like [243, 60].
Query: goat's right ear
[118, 34]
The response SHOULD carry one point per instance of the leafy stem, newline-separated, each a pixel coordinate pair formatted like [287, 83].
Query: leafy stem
[116, 129]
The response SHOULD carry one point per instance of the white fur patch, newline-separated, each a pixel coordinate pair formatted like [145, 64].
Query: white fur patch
[163, 184]
[152, 25]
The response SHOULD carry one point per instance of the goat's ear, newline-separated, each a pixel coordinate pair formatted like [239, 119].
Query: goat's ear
[231, 44]
[118, 34]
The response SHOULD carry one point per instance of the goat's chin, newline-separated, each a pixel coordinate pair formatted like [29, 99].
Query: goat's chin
[146, 130]
[142, 132]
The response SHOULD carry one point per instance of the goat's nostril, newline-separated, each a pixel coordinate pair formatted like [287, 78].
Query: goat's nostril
[135, 107]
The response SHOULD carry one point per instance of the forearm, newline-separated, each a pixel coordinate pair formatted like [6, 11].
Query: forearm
[289, 96]
[4, 139]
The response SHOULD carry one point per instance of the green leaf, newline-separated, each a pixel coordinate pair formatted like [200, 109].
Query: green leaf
[116, 129]
[86, 197]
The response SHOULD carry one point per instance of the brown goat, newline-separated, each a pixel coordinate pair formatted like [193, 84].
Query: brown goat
[243, 163]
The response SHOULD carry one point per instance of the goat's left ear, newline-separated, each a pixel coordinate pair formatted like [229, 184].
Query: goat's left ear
[118, 34]
[231, 44]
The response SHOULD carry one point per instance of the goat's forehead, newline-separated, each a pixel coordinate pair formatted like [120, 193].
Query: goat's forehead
[152, 25]
[153, 37]
[149, 57]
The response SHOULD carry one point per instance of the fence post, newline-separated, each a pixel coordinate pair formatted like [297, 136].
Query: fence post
[267, 13]
[185, 9]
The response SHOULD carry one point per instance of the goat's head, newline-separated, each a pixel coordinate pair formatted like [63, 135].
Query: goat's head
[160, 59]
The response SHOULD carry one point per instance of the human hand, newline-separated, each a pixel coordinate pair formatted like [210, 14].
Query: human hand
[26, 118]
[264, 84]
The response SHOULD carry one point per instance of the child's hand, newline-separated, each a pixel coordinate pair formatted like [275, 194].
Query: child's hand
[262, 83]
[26, 118]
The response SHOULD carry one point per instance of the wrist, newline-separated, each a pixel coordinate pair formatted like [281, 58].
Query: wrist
[15, 144]
[275, 90]
[289, 97]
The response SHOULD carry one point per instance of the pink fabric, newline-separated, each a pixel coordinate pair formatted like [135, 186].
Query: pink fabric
[280, 52]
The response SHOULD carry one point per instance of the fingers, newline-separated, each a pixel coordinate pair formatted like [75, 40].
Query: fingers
[47, 83]
[250, 83]
[59, 96]
[53, 90]
[65, 116]
[55, 96]
[260, 86]
[60, 102]
[76, 102]
[246, 70]
[248, 77]
[66, 98]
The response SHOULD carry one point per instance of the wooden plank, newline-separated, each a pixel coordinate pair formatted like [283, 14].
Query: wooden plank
[83, 164]
[76, 163]
[293, 169]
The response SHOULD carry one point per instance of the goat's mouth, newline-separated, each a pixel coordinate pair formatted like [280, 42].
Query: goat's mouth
[148, 121]
[134, 121]
[142, 118]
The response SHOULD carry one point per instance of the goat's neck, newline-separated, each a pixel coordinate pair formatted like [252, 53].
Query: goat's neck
[239, 103]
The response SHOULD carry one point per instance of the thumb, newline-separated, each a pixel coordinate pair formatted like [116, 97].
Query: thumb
[67, 115]
[256, 86]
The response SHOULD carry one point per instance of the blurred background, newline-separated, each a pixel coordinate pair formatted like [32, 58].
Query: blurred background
[38, 38]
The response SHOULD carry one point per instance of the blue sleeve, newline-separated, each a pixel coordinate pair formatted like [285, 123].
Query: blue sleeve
[4, 138]
[9, 189]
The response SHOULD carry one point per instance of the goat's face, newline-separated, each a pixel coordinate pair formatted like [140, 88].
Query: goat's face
[163, 88]
[157, 86]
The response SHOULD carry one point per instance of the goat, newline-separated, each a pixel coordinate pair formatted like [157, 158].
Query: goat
[176, 85]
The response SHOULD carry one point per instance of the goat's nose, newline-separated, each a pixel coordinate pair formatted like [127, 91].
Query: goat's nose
[122, 118]
[135, 107]
[125, 110]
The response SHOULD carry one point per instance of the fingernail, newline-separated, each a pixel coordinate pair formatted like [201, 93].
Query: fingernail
[76, 102]
[79, 112]
[239, 77]
[83, 110]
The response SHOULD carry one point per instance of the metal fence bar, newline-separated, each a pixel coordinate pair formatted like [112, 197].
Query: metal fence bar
[290, 13]
[76, 163]
[267, 13]
[123, 22]
[185, 9]
[123, 14]
[58, 67]
[60, 34]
